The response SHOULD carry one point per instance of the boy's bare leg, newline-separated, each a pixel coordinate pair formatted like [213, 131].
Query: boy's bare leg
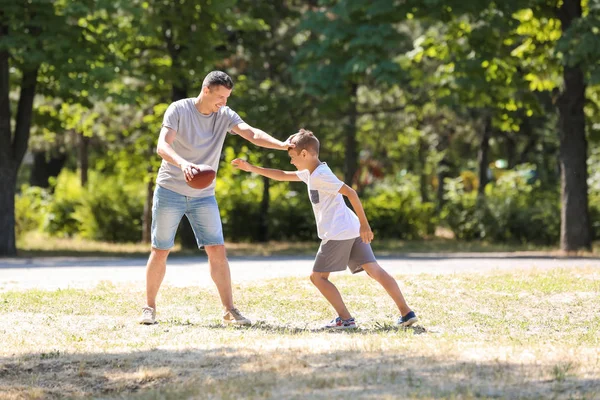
[328, 289]
[220, 274]
[155, 273]
[389, 284]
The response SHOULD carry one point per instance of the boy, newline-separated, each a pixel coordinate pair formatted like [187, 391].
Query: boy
[345, 237]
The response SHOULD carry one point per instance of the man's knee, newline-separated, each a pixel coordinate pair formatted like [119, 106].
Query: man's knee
[216, 254]
[159, 254]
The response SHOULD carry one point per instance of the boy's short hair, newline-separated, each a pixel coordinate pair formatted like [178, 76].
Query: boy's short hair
[306, 140]
[218, 78]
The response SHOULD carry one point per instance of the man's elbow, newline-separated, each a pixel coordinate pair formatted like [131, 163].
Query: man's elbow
[160, 149]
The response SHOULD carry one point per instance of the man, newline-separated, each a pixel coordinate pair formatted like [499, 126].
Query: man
[192, 133]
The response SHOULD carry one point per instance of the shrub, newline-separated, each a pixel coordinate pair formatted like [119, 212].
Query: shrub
[512, 210]
[396, 211]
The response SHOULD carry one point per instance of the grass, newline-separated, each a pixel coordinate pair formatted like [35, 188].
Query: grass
[524, 334]
[37, 245]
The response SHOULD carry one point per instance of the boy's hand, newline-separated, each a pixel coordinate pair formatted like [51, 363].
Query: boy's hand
[241, 164]
[366, 234]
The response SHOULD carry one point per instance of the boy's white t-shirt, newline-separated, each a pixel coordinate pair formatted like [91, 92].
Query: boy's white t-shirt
[335, 221]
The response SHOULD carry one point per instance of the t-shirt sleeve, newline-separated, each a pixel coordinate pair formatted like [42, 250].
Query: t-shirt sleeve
[234, 119]
[303, 175]
[327, 183]
[171, 117]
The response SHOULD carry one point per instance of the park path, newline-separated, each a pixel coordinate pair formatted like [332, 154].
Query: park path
[73, 272]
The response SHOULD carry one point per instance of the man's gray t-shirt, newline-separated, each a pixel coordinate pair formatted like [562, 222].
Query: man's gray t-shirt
[199, 140]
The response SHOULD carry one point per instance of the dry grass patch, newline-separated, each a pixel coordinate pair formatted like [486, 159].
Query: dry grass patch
[520, 335]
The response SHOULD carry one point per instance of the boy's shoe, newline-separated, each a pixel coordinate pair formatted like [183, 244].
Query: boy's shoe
[235, 317]
[408, 319]
[340, 323]
[148, 316]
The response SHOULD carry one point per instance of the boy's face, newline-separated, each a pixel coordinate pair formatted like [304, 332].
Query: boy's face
[297, 158]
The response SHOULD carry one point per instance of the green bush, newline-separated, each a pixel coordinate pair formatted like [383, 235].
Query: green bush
[111, 210]
[31, 205]
[512, 210]
[106, 209]
[67, 196]
[396, 211]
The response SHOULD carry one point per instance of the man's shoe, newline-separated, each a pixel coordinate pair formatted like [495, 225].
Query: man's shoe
[148, 316]
[408, 319]
[235, 317]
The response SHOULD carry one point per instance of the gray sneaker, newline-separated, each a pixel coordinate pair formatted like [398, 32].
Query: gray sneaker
[235, 317]
[148, 316]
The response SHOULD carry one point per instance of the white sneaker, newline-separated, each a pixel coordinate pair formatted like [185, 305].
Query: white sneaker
[148, 316]
[339, 323]
[235, 317]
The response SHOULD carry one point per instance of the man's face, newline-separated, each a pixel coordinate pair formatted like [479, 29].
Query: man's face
[216, 96]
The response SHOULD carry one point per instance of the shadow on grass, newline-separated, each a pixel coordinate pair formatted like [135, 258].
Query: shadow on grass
[294, 330]
[228, 372]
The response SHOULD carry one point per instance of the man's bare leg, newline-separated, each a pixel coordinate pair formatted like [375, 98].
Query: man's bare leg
[155, 273]
[220, 274]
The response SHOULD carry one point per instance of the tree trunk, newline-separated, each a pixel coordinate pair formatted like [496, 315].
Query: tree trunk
[263, 222]
[7, 169]
[442, 173]
[482, 156]
[147, 216]
[84, 144]
[575, 232]
[511, 151]
[12, 149]
[8, 180]
[45, 166]
[422, 172]
[351, 161]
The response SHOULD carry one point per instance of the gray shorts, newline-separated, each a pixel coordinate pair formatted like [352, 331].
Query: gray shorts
[336, 255]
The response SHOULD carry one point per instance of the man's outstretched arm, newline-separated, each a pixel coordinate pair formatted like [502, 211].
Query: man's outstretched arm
[260, 138]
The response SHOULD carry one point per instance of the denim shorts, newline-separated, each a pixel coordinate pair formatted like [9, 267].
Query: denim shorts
[169, 207]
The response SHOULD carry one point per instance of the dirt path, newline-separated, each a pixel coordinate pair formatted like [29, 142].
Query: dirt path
[63, 272]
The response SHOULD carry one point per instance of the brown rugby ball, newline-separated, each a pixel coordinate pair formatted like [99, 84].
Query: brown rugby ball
[203, 177]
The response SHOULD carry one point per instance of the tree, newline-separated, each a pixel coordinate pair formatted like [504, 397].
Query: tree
[61, 48]
[349, 44]
[556, 38]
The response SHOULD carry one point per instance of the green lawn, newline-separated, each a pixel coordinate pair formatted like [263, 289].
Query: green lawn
[525, 334]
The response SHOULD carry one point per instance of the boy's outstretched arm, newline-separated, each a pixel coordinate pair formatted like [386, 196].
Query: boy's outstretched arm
[276, 174]
[366, 234]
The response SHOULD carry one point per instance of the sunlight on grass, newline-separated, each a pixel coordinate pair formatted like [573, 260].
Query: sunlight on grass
[527, 334]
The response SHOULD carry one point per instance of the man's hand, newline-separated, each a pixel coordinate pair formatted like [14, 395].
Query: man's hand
[241, 164]
[189, 170]
[366, 234]
[288, 143]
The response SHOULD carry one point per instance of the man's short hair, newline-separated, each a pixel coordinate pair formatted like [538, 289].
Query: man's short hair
[306, 140]
[218, 78]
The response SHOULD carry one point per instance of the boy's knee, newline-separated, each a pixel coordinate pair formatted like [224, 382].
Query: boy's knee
[317, 276]
[373, 269]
